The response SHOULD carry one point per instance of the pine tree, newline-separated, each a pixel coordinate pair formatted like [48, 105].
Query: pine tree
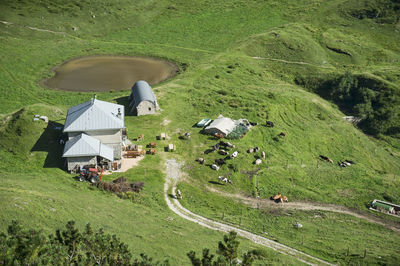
[66, 247]
[228, 251]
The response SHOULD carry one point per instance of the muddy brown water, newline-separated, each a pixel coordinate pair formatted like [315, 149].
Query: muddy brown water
[106, 73]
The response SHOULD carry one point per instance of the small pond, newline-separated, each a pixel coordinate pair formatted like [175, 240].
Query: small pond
[106, 73]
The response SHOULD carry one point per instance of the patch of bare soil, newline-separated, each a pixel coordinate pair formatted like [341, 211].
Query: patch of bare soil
[128, 163]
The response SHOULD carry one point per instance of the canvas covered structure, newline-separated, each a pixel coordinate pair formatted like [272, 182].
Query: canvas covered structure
[228, 128]
[142, 100]
[221, 125]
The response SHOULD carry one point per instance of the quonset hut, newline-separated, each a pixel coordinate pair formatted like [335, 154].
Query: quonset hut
[142, 100]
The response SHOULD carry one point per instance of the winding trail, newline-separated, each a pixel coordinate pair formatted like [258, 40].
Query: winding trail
[36, 29]
[173, 175]
[306, 206]
[290, 62]
[108, 42]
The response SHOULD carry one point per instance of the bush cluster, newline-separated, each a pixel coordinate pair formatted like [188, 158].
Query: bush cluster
[121, 186]
[72, 247]
[375, 102]
[66, 247]
[382, 11]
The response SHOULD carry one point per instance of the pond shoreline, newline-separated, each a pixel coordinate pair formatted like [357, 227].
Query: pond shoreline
[103, 73]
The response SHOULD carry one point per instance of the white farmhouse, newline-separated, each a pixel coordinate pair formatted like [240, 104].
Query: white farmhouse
[142, 99]
[95, 133]
[86, 150]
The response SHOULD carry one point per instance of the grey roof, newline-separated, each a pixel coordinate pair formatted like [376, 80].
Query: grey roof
[84, 145]
[224, 124]
[141, 91]
[94, 115]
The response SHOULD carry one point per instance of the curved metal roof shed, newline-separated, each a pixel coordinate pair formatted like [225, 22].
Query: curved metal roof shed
[142, 99]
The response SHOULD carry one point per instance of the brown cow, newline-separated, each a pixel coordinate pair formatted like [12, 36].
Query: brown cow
[218, 136]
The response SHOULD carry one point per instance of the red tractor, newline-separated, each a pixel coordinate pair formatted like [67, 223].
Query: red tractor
[91, 175]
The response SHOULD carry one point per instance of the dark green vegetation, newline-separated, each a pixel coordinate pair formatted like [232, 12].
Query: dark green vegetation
[70, 246]
[228, 254]
[382, 11]
[374, 101]
[310, 43]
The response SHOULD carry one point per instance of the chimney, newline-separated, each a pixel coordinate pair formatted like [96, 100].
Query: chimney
[94, 98]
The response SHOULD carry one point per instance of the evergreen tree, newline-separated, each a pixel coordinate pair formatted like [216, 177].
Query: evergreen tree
[228, 248]
[228, 251]
[66, 247]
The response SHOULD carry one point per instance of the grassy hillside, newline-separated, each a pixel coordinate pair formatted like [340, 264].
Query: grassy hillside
[243, 59]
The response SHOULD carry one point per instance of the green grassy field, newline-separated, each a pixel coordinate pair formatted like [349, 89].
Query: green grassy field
[215, 44]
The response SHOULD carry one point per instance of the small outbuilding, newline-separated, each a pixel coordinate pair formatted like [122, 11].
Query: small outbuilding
[142, 100]
[84, 150]
[221, 125]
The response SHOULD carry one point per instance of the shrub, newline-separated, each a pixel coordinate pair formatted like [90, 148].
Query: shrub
[377, 103]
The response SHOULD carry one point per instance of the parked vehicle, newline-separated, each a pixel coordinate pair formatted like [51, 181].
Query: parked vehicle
[91, 175]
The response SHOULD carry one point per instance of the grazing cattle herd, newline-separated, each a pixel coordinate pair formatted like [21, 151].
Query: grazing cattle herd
[224, 148]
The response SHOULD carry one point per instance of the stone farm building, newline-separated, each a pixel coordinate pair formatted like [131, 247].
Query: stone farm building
[142, 100]
[95, 134]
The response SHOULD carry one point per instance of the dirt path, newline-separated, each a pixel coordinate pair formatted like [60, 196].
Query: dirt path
[110, 42]
[173, 175]
[44, 30]
[290, 62]
[306, 206]
[36, 29]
